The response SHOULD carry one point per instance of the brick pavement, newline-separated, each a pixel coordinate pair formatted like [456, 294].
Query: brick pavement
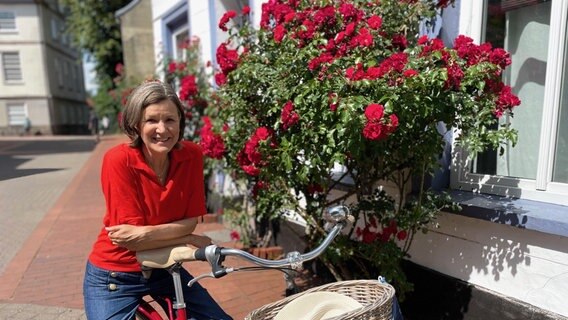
[34, 172]
[46, 274]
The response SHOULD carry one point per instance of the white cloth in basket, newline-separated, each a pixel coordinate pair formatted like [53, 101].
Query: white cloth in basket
[317, 306]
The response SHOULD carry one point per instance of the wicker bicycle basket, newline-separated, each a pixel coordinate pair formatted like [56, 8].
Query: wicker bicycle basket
[376, 298]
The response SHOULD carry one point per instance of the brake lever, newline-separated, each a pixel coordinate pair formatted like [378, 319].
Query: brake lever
[196, 279]
[218, 274]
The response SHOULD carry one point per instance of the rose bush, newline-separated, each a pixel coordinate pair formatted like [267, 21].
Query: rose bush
[350, 84]
[187, 75]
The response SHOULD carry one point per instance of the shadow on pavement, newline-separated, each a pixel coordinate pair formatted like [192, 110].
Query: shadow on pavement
[14, 153]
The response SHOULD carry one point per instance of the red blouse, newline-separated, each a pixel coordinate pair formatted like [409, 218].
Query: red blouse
[135, 196]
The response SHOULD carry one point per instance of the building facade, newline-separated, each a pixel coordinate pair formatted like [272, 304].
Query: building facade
[511, 236]
[41, 75]
[137, 39]
[510, 240]
[177, 21]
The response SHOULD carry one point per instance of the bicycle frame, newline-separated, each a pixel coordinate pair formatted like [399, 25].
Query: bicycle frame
[148, 312]
[338, 217]
[175, 310]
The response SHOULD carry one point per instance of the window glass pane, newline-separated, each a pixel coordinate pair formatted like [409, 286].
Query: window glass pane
[16, 114]
[7, 21]
[54, 29]
[560, 171]
[11, 66]
[522, 29]
[181, 38]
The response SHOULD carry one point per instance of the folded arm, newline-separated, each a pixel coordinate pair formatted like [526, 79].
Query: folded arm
[137, 238]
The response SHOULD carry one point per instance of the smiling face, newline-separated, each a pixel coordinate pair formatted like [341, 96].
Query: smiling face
[159, 128]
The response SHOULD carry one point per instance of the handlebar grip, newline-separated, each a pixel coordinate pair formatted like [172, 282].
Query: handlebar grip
[200, 254]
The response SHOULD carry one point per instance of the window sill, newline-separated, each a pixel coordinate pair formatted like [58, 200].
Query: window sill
[14, 82]
[525, 214]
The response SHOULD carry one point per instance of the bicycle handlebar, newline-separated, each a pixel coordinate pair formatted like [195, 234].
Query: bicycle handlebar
[337, 218]
[292, 258]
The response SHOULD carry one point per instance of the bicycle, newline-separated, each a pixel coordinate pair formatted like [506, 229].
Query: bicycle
[375, 304]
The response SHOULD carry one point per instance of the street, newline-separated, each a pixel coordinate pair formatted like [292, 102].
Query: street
[33, 173]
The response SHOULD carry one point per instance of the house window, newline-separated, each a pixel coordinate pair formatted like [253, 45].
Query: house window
[11, 66]
[176, 30]
[7, 21]
[58, 72]
[17, 114]
[560, 167]
[75, 72]
[534, 33]
[179, 38]
[54, 29]
[68, 69]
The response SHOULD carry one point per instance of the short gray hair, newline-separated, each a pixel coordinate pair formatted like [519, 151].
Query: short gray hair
[149, 92]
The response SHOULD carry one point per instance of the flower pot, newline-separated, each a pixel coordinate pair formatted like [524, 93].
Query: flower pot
[272, 252]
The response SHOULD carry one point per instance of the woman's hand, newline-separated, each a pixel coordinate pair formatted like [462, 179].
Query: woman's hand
[199, 241]
[127, 236]
[136, 238]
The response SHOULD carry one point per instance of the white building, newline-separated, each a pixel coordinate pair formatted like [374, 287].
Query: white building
[41, 75]
[176, 21]
[511, 242]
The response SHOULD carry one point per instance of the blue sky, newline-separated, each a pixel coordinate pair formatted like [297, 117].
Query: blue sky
[89, 74]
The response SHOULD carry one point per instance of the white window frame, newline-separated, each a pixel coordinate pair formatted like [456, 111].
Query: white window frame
[9, 30]
[472, 16]
[10, 106]
[183, 29]
[4, 72]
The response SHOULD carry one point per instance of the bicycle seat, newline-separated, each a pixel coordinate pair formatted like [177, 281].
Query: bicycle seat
[165, 257]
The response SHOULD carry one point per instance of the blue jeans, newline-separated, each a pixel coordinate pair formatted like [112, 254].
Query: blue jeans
[116, 295]
[396, 312]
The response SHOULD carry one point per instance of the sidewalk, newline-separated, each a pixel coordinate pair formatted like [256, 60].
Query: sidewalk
[44, 279]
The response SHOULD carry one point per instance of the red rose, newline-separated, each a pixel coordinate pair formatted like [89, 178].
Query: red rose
[288, 116]
[172, 67]
[235, 236]
[225, 18]
[374, 111]
[375, 22]
[220, 79]
[373, 131]
[410, 73]
[279, 33]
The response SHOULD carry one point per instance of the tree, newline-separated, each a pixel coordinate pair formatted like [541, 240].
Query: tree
[95, 30]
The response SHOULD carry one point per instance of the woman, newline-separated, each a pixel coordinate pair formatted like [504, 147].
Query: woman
[154, 193]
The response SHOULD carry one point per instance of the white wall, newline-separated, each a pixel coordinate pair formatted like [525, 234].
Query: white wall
[527, 265]
[27, 23]
[159, 8]
[200, 26]
[256, 11]
[33, 75]
[27, 41]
